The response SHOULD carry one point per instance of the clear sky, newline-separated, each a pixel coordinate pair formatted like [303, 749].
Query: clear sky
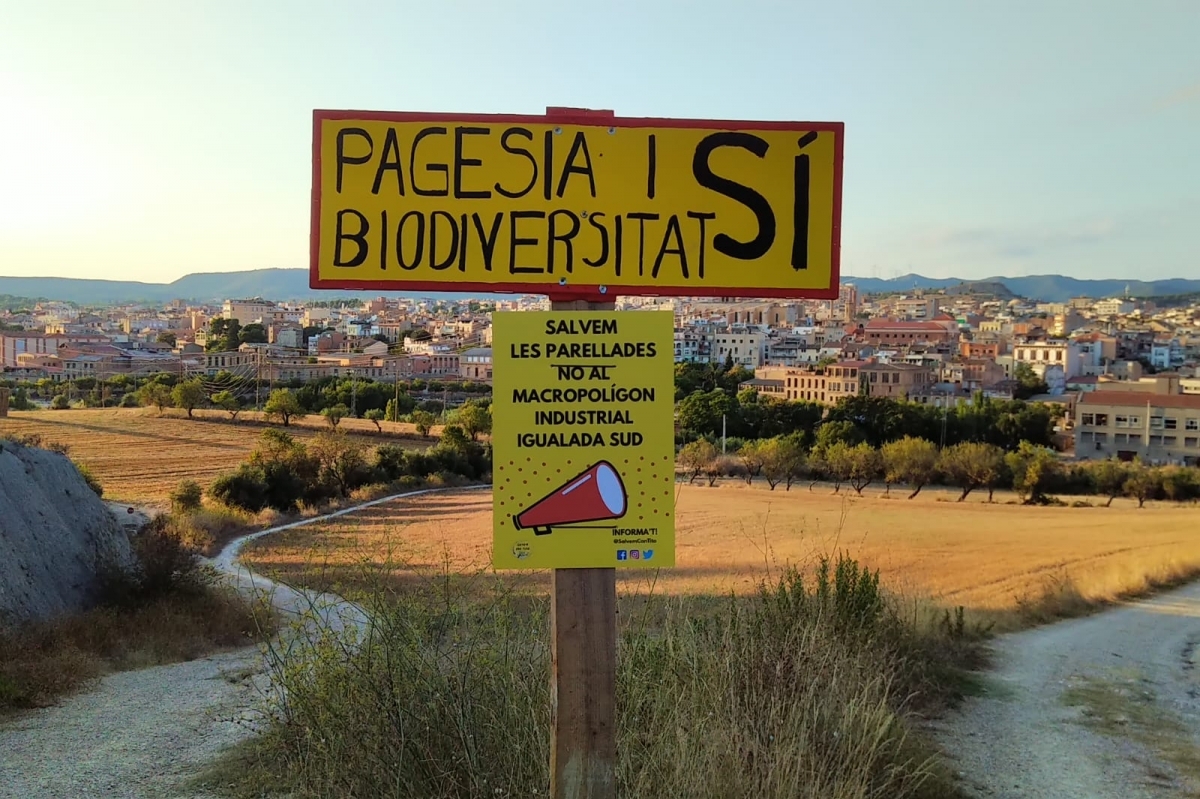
[145, 140]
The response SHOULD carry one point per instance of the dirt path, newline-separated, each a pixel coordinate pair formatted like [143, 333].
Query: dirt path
[147, 733]
[1106, 707]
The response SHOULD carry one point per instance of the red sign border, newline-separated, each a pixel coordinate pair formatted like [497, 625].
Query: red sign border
[573, 116]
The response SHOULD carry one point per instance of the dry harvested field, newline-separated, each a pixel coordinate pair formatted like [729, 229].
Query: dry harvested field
[139, 457]
[984, 556]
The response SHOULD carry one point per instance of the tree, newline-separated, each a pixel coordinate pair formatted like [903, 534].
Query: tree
[474, 419]
[342, 461]
[1143, 483]
[423, 421]
[865, 466]
[1181, 484]
[376, 416]
[283, 404]
[188, 395]
[1032, 470]
[837, 463]
[228, 402]
[156, 394]
[752, 458]
[797, 463]
[61, 403]
[910, 460]
[334, 414]
[702, 412]
[1109, 477]
[831, 433]
[223, 334]
[166, 337]
[780, 458]
[253, 333]
[695, 457]
[20, 401]
[972, 465]
[1028, 383]
[454, 438]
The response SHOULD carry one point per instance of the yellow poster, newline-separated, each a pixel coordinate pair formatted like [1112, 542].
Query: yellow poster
[583, 439]
[534, 205]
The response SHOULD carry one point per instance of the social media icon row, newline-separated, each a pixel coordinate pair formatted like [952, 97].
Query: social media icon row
[635, 554]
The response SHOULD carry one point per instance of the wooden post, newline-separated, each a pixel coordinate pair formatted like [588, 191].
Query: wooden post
[583, 666]
[3, 403]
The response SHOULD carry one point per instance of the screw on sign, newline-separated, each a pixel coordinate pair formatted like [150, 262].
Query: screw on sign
[581, 206]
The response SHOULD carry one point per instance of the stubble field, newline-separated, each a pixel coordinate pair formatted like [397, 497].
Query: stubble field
[140, 457]
[987, 557]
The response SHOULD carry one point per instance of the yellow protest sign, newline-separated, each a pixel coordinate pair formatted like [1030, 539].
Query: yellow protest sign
[583, 439]
[568, 205]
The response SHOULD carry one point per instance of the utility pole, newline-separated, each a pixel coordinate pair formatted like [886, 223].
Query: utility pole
[722, 434]
[257, 379]
[353, 391]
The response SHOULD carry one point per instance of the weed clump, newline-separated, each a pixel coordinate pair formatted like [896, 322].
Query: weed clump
[805, 689]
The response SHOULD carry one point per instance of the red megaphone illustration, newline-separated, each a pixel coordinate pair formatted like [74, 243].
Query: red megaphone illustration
[591, 496]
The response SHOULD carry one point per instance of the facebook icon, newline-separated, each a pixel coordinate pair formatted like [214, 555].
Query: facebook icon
[622, 554]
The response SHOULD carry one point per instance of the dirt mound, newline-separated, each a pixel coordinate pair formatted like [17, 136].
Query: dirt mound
[54, 535]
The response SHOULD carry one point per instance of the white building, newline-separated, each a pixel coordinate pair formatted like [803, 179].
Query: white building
[247, 311]
[1061, 352]
[1113, 307]
[691, 346]
[1166, 354]
[747, 348]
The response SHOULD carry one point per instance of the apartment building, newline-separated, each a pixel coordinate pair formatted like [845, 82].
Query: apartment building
[979, 349]
[1075, 357]
[747, 347]
[973, 373]
[1158, 428]
[247, 311]
[14, 344]
[1113, 307]
[826, 385]
[691, 346]
[476, 364]
[895, 380]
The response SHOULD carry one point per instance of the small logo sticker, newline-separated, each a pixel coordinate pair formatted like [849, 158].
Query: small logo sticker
[521, 550]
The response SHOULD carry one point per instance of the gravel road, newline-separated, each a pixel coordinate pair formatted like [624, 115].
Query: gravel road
[145, 734]
[1105, 707]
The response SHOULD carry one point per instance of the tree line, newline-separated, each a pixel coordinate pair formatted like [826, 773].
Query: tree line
[749, 415]
[126, 391]
[839, 457]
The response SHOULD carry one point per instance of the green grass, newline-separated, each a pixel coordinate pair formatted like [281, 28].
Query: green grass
[807, 689]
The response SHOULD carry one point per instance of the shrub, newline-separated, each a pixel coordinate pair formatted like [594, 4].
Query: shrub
[60, 403]
[391, 462]
[799, 692]
[186, 498]
[246, 489]
[164, 565]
